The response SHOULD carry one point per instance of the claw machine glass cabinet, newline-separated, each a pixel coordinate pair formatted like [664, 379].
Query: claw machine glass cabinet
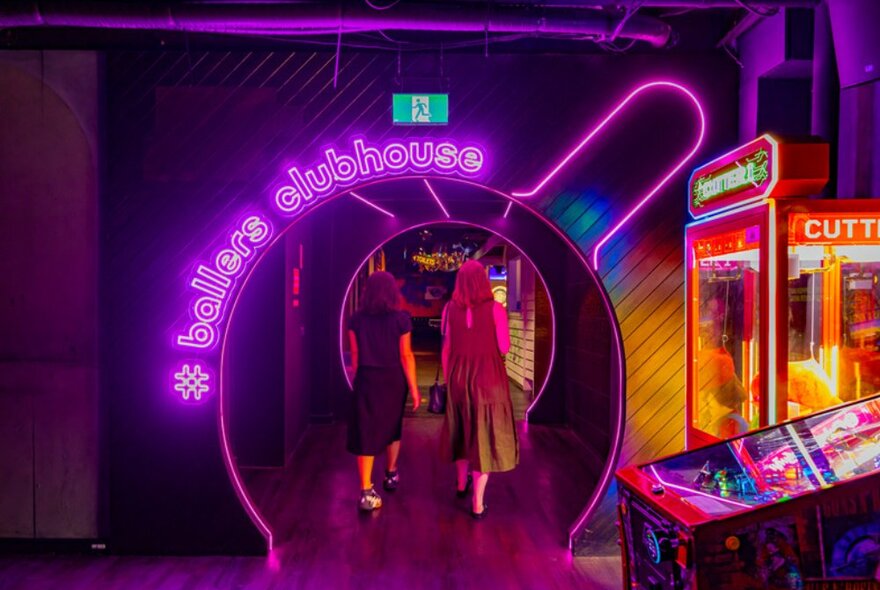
[783, 301]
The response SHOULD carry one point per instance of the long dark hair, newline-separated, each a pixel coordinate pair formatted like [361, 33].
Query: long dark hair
[381, 294]
[472, 285]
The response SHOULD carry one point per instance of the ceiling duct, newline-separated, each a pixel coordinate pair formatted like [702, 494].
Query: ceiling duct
[324, 18]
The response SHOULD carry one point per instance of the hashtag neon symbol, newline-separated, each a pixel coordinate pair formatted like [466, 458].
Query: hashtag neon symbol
[192, 382]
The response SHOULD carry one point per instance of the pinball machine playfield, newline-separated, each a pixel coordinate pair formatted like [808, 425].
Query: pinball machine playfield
[791, 506]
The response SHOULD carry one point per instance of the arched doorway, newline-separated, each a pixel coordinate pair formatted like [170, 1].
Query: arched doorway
[584, 389]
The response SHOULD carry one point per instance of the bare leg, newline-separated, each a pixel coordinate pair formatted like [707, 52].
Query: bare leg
[480, 481]
[461, 469]
[393, 453]
[365, 468]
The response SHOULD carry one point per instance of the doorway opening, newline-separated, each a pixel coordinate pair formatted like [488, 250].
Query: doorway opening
[424, 261]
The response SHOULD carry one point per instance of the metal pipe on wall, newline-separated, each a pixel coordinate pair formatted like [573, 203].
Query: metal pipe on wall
[826, 88]
[311, 19]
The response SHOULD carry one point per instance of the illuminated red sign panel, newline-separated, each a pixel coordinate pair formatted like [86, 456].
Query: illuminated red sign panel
[834, 228]
[728, 243]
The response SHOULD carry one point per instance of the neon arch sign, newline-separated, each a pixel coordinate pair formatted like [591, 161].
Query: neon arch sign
[214, 281]
[220, 276]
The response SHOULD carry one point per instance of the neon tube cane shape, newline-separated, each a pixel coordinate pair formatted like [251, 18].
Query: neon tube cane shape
[657, 85]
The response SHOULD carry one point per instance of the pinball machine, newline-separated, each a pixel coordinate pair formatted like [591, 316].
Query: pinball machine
[791, 506]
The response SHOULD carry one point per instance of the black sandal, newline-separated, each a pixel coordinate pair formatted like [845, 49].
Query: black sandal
[467, 487]
[480, 515]
[392, 480]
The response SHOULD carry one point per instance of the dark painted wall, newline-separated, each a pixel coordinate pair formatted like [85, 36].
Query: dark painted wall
[297, 351]
[50, 463]
[256, 367]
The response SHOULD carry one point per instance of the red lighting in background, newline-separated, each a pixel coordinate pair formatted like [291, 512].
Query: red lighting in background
[295, 288]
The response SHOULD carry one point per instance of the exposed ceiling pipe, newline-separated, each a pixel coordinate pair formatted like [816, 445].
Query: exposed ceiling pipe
[739, 29]
[314, 18]
[694, 4]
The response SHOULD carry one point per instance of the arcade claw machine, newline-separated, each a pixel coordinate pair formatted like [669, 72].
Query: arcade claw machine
[794, 506]
[783, 300]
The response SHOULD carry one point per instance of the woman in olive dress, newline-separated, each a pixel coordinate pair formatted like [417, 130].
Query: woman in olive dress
[479, 430]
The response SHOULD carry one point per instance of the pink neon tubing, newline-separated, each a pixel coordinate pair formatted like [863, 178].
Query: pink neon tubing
[618, 419]
[228, 460]
[660, 84]
[436, 198]
[371, 204]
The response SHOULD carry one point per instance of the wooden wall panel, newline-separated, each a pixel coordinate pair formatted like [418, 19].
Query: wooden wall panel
[521, 358]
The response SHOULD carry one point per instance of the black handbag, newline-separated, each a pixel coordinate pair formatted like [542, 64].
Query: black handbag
[437, 392]
[437, 396]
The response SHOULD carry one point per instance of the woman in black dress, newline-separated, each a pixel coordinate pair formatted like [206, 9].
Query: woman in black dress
[385, 369]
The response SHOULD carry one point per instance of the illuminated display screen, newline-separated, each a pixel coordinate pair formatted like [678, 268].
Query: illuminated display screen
[834, 228]
[834, 320]
[726, 281]
[731, 178]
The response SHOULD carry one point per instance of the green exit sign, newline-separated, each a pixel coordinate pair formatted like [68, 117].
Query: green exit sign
[421, 109]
